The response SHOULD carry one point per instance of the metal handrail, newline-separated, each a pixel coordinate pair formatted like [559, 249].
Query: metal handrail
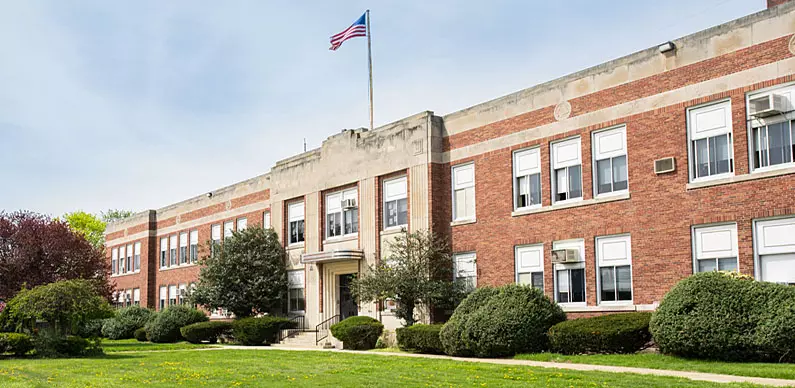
[325, 327]
[294, 326]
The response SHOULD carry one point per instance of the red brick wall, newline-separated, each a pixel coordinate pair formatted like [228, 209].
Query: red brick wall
[773, 3]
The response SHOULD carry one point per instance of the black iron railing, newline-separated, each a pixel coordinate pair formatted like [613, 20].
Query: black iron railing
[294, 326]
[322, 328]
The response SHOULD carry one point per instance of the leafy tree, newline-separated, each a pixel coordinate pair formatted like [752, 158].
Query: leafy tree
[88, 225]
[115, 214]
[418, 271]
[36, 250]
[244, 274]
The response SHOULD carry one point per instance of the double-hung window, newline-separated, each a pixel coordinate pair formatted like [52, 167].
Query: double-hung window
[342, 213]
[266, 220]
[183, 294]
[710, 134]
[163, 297]
[614, 262]
[229, 228]
[715, 247]
[295, 216]
[465, 269]
[242, 223]
[527, 178]
[295, 283]
[183, 248]
[114, 261]
[775, 250]
[172, 295]
[129, 263]
[172, 250]
[570, 276]
[770, 116]
[530, 265]
[164, 252]
[464, 192]
[610, 159]
[396, 211]
[137, 257]
[774, 144]
[194, 246]
[566, 170]
[122, 268]
[136, 296]
[215, 236]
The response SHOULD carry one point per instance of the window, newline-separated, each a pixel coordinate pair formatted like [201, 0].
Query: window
[183, 293]
[775, 250]
[194, 246]
[266, 220]
[530, 265]
[163, 297]
[242, 223]
[137, 296]
[527, 178]
[295, 281]
[715, 248]
[122, 268]
[295, 215]
[466, 269]
[128, 298]
[464, 192]
[172, 250]
[163, 252]
[396, 212]
[342, 213]
[137, 257]
[614, 262]
[570, 277]
[610, 159]
[114, 261]
[710, 134]
[566, 170]
[129, 263]
[172, 295]
[229, 227]
[183, 248]
[215, 236]
[774, 144]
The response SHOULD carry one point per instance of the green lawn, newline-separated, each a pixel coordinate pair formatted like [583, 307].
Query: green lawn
[132, 345]
[260, 368]
[659, 361]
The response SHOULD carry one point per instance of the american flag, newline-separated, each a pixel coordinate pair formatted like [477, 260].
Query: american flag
[358, 28]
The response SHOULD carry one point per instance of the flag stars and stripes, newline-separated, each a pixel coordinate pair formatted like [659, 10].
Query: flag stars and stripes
[357, 29]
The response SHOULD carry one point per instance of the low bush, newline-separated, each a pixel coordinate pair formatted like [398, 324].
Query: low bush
[726, 316]
[206, 331]
[91, 329]
[50, 346]
[140, 335]
[358, 333]
[420, 338]
[257, 331]
[16, 343]
[126, 322]
[164, 326]
[497, 322]
[614, 333]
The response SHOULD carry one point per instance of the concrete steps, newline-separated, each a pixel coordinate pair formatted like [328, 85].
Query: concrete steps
[305, 340]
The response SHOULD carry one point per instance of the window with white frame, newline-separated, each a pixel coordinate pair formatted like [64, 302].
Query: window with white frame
[614, 265]
[215, 236]
[527, 178]
[137, 257]
[183, 248]
[129, 263]
[610, 159]
[710, 134]
[570, 277]
[183, 293]
[772, 135]
[342, 213]
[128, 298]
[114, 261]
[229, 228]
[266, 220]
[172, 295]
[295, 282]
[566, 170]
[136, 296]
[164, 252]
[242, 223]
[295, 216]
[172, 250]
[530, 265]
[715, 248]
[775, 250]
[464, 192]
[194, 246]
[466, 269]
[122, 268]
[396, 211]
[163, 297]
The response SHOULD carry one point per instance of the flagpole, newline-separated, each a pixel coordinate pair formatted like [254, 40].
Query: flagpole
[370, 67]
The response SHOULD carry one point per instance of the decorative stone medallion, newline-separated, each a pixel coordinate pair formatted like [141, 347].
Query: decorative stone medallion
[792, 45]
[563, 110]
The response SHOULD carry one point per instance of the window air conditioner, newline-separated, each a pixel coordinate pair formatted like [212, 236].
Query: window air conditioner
[767, 105]
[561, 256]
[661, 166]
[349, 204]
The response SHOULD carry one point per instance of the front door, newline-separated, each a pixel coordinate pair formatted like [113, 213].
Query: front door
[348, 307]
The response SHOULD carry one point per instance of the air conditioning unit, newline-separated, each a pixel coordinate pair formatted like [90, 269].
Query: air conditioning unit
[767, 105]
[561, 256]
[664, 165]
[349, 204]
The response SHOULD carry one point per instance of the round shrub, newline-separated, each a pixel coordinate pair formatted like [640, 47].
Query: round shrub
[140, 335]
[165, 325]
[126, 321]
[497, 322]
[48, 345]
[15, 343]
[726, 316]
[420, 338]
[257, 331]
[614, 333]
[206, 331]
[357, 333]
[91, 329]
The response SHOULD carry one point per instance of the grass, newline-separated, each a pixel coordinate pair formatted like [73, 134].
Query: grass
[659, 361]
[274, 368]
[133, 345]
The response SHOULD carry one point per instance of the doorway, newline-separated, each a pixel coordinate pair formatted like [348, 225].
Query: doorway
[348, 306]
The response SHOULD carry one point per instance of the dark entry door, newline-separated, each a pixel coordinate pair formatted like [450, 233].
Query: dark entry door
[348, 307]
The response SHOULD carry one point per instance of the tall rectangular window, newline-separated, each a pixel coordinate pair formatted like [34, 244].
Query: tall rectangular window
[396, 211]
[466, 269]
[530, 265]
[183, 293]
[163, 297]
[775, 250]
[715, 248]
[566, 170]
[172, 295]
[342, 213]
[464, 192]
[114, 261]
[164, 252]
[242, 223]
[570, 277]
[194, 246]
[295, 216]
[774, 144]
[137, 257]
[172, 250]
[266, 220]
[122, 268]
[614, 262]
[610, 159]
[215, 236]
[527, 178]
[136, 296]
[183, 248]
[710, 135]
[229, 228]
[129, 263]
[295, 282]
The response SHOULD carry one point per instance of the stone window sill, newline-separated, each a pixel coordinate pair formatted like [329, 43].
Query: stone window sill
[587, 202]
[741, 178]
[463, 222]
[609, 308]
[121, 275]
[333, 240]
[178, 266]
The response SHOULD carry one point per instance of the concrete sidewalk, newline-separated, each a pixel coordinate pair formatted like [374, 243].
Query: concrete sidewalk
[712, 377]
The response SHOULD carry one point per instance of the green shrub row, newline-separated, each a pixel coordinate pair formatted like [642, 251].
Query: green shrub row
[126, 322]
[15, 343]
[420, 338]
[165, 326]
[358, 333]
[51, 346]
[614, 333]
[206, 331]
[258, 331]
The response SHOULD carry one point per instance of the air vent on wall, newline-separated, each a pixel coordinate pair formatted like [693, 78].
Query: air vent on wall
[664, 165]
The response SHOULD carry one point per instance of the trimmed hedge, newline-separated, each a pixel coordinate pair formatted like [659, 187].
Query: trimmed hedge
[498, 322]
[614, 333]
[70, 346]
[420, 338]
[357, 333]
[126, 322]
[16, 343]
[140, 334]
[165, 325]
[257, 331]
[205, 331]
[727, 316]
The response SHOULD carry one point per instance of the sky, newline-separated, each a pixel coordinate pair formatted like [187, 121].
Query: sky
[140, 104]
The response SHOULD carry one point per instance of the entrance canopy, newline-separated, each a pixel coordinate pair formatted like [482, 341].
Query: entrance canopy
[332, 256]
